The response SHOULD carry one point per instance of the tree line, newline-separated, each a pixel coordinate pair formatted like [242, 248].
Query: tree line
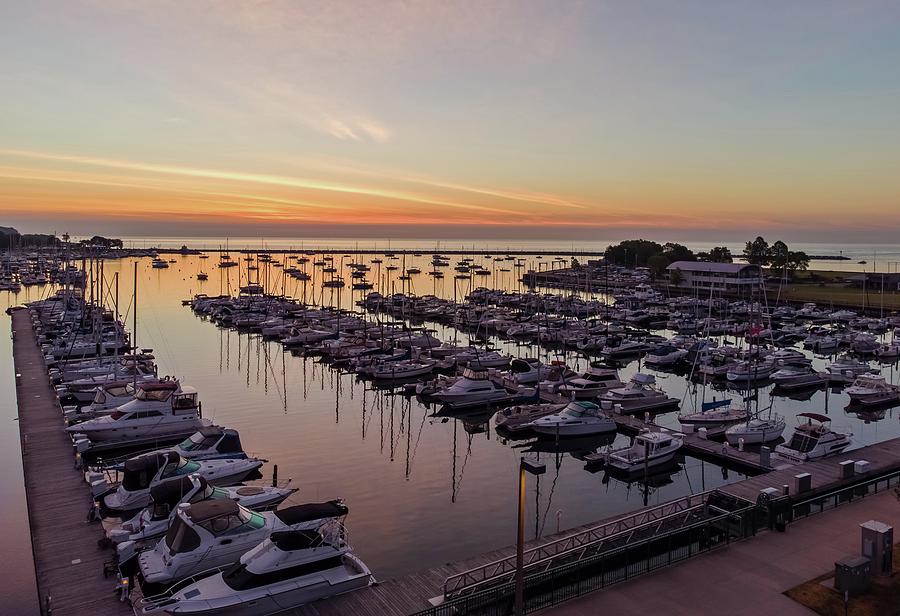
[657, 257]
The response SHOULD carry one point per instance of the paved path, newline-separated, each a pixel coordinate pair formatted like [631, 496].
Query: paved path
[747, 578]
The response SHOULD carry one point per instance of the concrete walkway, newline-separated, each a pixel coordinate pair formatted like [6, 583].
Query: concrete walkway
[747, 578]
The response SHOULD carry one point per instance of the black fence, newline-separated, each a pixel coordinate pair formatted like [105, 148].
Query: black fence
[555, 586]
[836, 498]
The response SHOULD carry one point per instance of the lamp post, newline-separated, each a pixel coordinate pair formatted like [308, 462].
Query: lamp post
[535, 468]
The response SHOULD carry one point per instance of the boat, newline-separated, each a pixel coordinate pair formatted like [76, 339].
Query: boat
[592, 383]
[578, 418]
[211, 443]
[715, 413]
[813, 440]
[202, 276]
[649, 449]
[665, 355]
[159, 264]
[287, 570]
[217, 532]
[745, 371]
[640, 395]
[142, 472]
[798, 377]
[872, 389]
[474, 388]
[756, 431]
[847, 366]
[403, 369]
[153, 521]
[518, 418]
[159, 409]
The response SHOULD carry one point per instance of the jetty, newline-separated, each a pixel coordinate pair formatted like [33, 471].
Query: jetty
[69, 564]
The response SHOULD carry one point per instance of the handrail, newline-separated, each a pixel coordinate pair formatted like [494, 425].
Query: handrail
[545, 553]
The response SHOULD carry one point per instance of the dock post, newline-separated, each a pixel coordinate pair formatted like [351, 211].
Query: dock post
[275, 476]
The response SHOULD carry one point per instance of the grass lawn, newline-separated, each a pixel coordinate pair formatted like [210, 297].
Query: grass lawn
[883, 598]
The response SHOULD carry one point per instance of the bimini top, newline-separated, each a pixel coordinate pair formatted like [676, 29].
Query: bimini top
[815, 416]
[214, 508]
[288, 540]
[158, 385]
[312, 511]
[173, 490]
[150, 461]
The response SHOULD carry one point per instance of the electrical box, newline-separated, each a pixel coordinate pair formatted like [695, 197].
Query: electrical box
[846, 469]
[852, 575]
[878, 546]
[802, 483]
[861, 467]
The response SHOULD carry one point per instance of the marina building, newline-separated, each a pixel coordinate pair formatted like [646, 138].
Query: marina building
[729, 277]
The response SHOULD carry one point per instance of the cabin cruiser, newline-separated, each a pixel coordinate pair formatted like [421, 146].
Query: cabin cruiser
[287, 570]
[159, 409]
[482, 360]
[576, 419]
[751, 371]
[665, 355]
[872, 389]
[756, 431]
[518, 418]
[403, 369]
[715, 413]
[649, 449]
[888, 352]
[813, 440]
[142, 472]
[641, 394]
[797, 377]
[475, 388]
[217, 532]
[594, 382]
[153, 521]
[107, 399]
[847, 366]
[83, 391]
[211, 443]
[527, 371]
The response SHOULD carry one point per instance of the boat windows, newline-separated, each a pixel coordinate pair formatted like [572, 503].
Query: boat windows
[802, 443]
[181, 537]
[185, 467]
[199, 442]
[153, 395]
[239, 578]
[185, 401]
[241, 521]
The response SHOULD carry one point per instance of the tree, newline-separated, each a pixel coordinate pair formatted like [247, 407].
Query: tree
[632, 253]
[798, 260]
[778, 254]
[658, 265]
[757, 251]
[676, 252]
[718, 254]
[676, 277]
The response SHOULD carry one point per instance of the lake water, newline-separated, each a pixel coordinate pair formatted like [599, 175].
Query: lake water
[422, 490]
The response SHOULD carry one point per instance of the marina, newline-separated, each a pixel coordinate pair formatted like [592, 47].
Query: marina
[732, 472]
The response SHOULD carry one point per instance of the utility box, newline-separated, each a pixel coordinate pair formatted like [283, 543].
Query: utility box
[846, 469]
[765, 456]
[861, 467]
[852, 575]
[878, 546]
[802, 483]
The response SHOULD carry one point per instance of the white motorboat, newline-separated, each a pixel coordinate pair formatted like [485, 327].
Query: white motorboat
[756, 431]
[287, 570]
[715, 413]
[640, 395]
[211, 443]
[594, 382]
[798, 377]
[217, 532]
[518, 418]
[152, 522]
[576, 419]
[159, 409]
[751, 371]
[665, 355]
[475, 388]
[888, 352]
[848, 366]
[648, 449]
[872, 389]
[813, 440]
[404, 369]
[142, 472]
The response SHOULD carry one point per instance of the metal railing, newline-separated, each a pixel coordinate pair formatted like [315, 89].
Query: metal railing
[553, 586]
[831, 500]
[583, 544]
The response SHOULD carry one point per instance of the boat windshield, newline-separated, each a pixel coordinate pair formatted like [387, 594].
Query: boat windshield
[181, 537]
[185, 467]
[802, 442]
[239, 522]
[153, 395]
[198, 441]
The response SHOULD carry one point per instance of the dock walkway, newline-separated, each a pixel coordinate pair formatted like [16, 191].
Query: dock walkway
[68, 561]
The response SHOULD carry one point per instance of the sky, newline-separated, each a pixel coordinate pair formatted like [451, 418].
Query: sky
[482, 119]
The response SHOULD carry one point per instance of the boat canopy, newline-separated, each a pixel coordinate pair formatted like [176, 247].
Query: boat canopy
[312, 511]
[209, 509]
[815, 416]
[173, 490]
[643, 379]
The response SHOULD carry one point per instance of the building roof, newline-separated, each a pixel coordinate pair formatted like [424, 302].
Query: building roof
[705, 266]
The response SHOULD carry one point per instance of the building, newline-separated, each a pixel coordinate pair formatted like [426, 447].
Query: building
[729, 277]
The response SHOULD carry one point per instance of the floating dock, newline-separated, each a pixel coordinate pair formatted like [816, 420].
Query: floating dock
[68, 562]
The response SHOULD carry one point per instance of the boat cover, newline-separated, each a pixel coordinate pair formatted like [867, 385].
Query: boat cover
[312, 511]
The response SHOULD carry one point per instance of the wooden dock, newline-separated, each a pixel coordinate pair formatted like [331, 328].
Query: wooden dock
[67, 559]
[826, 474]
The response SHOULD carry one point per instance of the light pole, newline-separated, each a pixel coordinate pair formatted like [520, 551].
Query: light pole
[535, 468]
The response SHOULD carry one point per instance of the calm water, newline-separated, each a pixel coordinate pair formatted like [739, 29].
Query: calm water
[422, 490]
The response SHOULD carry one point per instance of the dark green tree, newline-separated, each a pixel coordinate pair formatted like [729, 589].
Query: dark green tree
[757, 251]
[676, 277]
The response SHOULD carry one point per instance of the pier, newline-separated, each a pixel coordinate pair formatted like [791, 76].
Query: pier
[68, 563]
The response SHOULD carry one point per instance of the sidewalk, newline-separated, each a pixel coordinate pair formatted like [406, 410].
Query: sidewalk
[746, 578]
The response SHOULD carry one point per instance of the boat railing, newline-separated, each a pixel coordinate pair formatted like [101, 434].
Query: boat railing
[578, 545]
[167, 594]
